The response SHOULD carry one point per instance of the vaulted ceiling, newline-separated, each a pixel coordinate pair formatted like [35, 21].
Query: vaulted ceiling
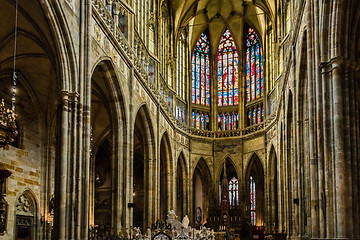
[216, 15]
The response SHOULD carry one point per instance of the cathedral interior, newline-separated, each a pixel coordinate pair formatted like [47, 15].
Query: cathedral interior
[242, 116]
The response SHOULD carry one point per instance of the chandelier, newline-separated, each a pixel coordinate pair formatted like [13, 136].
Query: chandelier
[8, 130]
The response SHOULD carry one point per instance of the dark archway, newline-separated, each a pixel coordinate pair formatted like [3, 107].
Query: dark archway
[142, 174]
[201, 192]
[138, 180]
[289, 162]
[273, 192]
[255, 190]
[108, 144]
[229, 185]
[181, 196]
[165, 174]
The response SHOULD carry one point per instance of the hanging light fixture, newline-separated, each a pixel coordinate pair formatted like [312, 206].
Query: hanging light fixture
[8, 130]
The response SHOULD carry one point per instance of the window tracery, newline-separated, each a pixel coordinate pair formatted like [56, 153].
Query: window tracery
[200, 120]
[234, 192]
[228, 121]
[200, 93]
[254, 66]
[228, 84]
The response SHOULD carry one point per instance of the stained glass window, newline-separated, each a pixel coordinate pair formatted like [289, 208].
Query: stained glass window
[228, 85]
[200, 91]
[252, 201]
[228, 121]
[254, 67]
[255, 114]
[200, 120]
[234, 192]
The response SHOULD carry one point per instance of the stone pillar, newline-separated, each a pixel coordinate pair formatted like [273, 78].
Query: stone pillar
[61, 204]
[341, 190]
[312, 126]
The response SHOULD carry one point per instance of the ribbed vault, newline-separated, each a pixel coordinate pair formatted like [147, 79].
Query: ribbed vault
[216, 15]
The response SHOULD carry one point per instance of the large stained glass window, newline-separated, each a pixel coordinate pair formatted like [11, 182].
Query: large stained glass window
[252, 201]
[254, 66]
[200, 92]
[234, 192]
[228, 121]
[228, 84]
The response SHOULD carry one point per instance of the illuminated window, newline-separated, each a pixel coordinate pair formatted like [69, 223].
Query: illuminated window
[200, 91]
[252, 201]
[228, 84]
[228, 121]
[200, 120]
[254, 67]
[234, 192]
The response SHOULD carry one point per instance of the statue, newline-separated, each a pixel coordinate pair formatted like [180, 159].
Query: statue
[185, 222]
[172, 215]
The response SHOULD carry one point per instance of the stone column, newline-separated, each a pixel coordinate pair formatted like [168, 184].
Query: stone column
[312, 126]
[61, 173]
[341, 190]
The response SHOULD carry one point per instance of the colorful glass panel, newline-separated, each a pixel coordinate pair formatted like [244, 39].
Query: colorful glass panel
[234, 192]
[200, 92]
[253, 200]
[254, 67]
[227, 67]
[228, 121]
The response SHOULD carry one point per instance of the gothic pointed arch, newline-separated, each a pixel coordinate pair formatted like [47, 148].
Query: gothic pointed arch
[229, 184]
[227, 83]
[255, 189]
[200, 83]
[108, 144]
[166, 182]
[181, 187]
[273, 202]
[143, 163]
[201, 192]
[290, 157]
[254, 76]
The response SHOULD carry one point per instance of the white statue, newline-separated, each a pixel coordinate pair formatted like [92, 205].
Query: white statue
[185, 222]
[171, 215]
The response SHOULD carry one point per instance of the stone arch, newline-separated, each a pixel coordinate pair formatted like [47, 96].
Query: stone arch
[302, 158]
[289, 159]
[255, 170]
[26, 214]
[201, 192]
[109, 131]
[219, 171]
[144, 162]
[166, 177]
[181, 187]
[272, 200]
[231, 173]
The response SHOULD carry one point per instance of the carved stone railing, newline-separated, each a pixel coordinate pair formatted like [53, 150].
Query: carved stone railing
[104, 14]
[172, 229]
